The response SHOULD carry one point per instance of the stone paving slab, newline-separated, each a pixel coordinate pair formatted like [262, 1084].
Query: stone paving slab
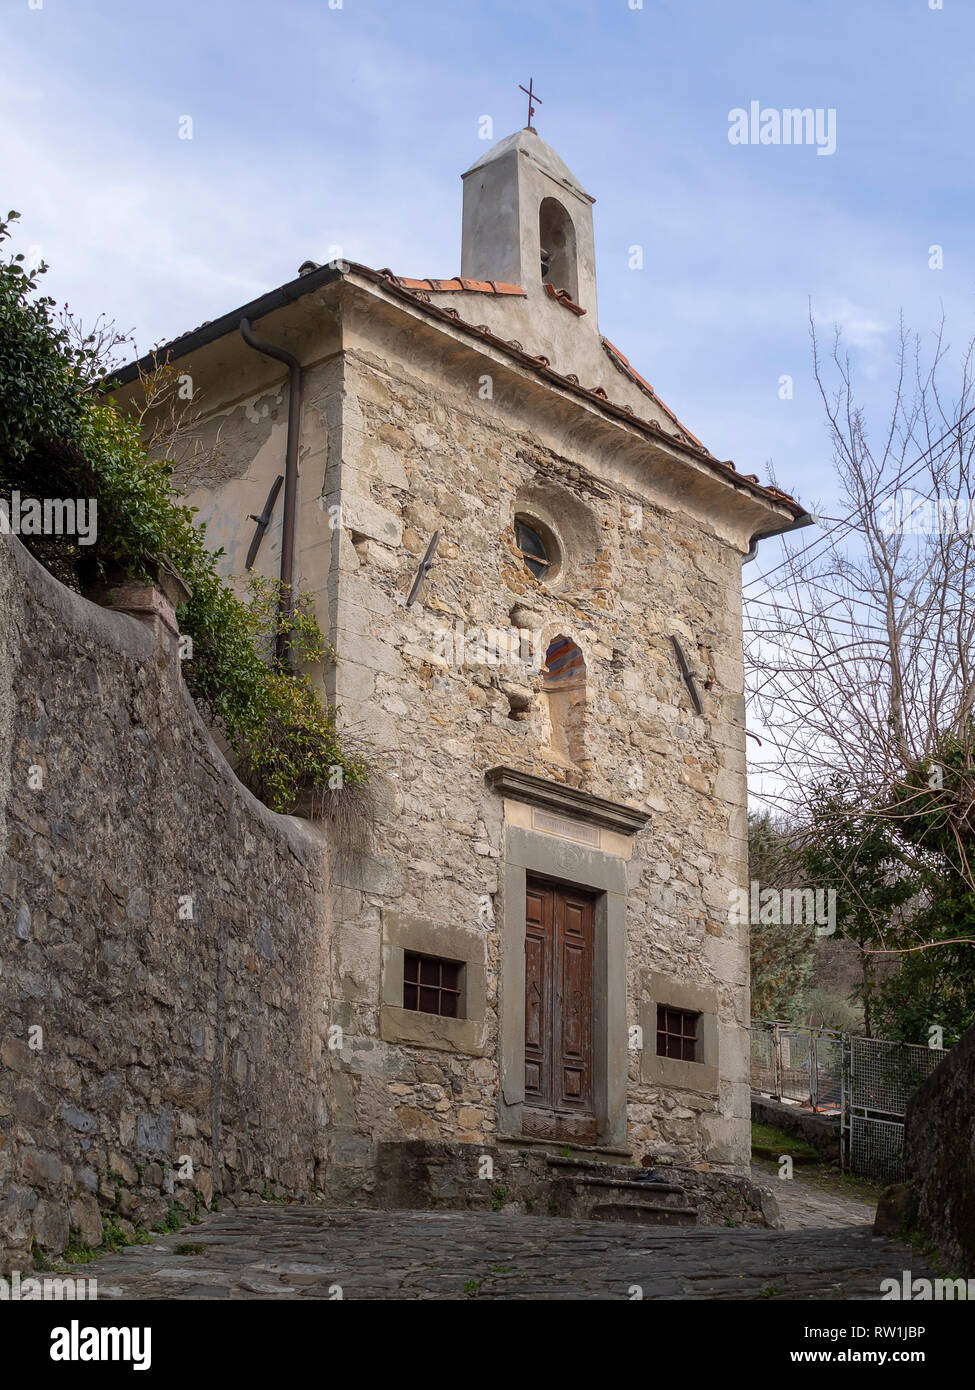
[275, 1252]
[802, 1202]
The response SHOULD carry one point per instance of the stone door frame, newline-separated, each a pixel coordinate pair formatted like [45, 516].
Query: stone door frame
[530, 853]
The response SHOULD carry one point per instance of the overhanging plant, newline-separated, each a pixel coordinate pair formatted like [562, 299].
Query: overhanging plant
[59, 437]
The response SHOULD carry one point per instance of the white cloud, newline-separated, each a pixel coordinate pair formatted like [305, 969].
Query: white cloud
[861, 327]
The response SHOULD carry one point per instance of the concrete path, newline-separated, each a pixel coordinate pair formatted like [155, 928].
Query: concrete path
[282, 1252]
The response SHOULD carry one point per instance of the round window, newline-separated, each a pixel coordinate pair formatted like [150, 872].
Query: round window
[537, 548]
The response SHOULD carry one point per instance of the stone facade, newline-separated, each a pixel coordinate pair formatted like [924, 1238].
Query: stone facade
[163, 972]
[435, 728]
[458, 408]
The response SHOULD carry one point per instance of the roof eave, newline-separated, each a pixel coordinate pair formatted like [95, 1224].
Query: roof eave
[389, 283]
[227, 323]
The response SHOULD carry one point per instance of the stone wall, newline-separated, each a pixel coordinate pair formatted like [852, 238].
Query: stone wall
[727, 1199]
[939, 1155]
[635, 572]
[162, 966]
[408, 428]
[821, 1132]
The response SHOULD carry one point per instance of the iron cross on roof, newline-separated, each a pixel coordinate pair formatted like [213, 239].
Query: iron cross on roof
[532, 98]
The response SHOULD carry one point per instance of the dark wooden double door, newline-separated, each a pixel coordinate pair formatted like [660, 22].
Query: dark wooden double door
[558, 1013]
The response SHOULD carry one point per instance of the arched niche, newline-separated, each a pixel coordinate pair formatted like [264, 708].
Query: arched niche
[557, 246]
[564, 695]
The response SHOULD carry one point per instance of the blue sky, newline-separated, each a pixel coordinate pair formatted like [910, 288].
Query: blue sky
[316, 127]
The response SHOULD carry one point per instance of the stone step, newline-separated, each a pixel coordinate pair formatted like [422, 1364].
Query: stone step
[553, 1147]
[589, 1165]
[656, 1189]
[644, 1214]
[577, 1194]
[581, 1188]
[607, 1172]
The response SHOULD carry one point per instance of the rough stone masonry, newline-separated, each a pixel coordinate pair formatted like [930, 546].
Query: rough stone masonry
[556, 840]
[161, 1035]
[488, 411]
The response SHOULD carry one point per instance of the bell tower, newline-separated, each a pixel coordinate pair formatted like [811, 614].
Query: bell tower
[528, 221]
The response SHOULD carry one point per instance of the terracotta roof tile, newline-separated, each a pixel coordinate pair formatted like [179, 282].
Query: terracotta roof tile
[457, 285]
[618, 360]
[564, 298]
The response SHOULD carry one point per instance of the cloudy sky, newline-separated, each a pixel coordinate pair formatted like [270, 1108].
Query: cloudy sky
[316, 127]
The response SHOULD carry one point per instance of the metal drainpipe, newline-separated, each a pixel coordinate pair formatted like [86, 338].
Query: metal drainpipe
[290, 476]
[807, 519]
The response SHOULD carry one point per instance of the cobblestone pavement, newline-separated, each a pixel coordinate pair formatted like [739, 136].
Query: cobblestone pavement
[282, 1252]
[803, 1204]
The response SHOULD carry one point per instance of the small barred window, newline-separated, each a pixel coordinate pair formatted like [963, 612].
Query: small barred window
[677, 1033]
[431, 985]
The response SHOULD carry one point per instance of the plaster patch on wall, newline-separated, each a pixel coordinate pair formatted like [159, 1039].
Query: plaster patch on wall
[221, 447]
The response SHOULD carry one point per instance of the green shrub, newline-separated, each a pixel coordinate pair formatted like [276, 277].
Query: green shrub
[821, 1008]
[60, 438]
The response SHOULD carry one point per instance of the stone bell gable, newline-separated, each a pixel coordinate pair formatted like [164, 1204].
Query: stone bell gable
[530, 571]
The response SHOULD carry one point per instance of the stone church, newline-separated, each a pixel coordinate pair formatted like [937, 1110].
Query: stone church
[530, 571]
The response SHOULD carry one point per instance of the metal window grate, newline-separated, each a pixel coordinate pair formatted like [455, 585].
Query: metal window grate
[677, 1033]
[431, 985]
[532, 548]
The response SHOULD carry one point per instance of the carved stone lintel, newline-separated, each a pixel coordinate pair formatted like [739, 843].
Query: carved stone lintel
[568, 801]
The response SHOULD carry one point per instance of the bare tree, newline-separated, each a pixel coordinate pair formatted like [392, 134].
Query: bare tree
[171, 418]
[859, 643]
[167, 408]
[101, 343]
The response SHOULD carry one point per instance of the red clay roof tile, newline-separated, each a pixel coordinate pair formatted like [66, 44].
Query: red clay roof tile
[457, 285]
[564, 298]
[623, 362]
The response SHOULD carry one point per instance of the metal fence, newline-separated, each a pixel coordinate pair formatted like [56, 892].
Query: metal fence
[866, 1081]
[882, 1078]
[802, 1064]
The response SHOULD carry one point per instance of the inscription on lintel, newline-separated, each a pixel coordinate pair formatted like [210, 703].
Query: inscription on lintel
[566, 829]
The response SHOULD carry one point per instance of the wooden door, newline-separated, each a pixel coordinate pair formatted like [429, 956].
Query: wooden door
[558, 1013]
